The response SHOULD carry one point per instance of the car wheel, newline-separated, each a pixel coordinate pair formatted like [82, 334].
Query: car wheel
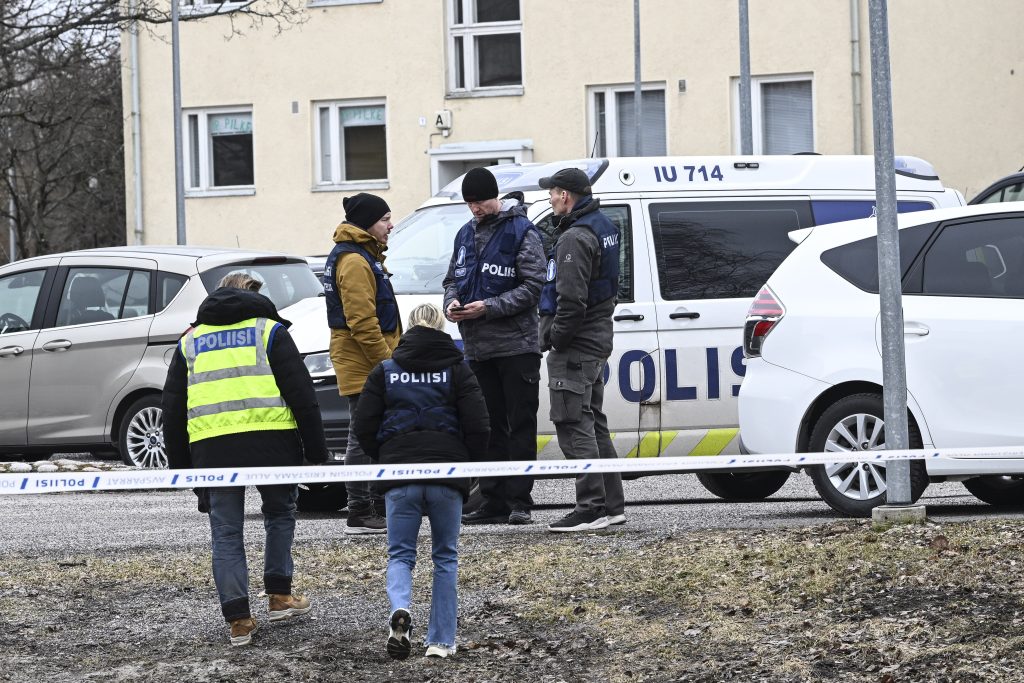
[322, 497]
[997, 491]
[141, 437]
[852, 424]
[743, 485]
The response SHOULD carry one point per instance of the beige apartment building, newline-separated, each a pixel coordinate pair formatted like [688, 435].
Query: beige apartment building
[398, 97]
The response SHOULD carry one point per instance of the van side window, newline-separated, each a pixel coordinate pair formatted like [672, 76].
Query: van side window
[722, 250]
[619, 215]
[837, 210]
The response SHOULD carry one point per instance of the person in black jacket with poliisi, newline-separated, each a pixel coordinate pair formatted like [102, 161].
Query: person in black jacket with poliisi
[238, 395]
[423, 406]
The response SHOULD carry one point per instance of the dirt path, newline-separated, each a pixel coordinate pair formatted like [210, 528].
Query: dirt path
[833, 602]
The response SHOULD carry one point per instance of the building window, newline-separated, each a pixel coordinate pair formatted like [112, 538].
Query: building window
[218, 152]
[485, 50]
[613, 126]
[351, 143]
[211, 6]
[781, 112]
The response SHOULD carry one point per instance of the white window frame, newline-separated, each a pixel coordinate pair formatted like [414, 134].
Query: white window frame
[211, 6]
[205, 187]
[506, 151]
[469, 31]
[334, 183]
[757, 109]
[611, 125]
[329, 3]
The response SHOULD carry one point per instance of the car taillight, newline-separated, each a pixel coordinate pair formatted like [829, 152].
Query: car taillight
[765, 313]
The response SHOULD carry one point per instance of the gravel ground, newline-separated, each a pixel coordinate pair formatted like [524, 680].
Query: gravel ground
[117, 587]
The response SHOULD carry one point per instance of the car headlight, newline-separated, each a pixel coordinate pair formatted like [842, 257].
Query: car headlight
[319, 364]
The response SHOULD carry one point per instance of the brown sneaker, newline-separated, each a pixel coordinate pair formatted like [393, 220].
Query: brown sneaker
[242, 630]
[288, 606]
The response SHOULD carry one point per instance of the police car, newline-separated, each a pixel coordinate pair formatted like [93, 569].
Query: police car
[699, 237]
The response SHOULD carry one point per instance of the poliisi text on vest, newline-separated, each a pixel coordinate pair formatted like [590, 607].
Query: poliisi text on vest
[418, 377]
[226, 339]
[500, 271]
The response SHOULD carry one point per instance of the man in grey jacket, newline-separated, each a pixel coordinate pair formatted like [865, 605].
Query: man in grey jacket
[576, 307]
[491, 290]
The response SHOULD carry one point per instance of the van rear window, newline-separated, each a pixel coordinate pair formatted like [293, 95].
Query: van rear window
[722, 250]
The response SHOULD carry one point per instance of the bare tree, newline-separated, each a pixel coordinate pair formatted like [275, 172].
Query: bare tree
[30, 28]
[61, 118]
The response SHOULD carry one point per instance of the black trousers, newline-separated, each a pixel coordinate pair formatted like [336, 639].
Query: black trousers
[511, 386]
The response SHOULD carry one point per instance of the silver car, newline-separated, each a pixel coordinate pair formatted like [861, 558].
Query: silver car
[86, 338]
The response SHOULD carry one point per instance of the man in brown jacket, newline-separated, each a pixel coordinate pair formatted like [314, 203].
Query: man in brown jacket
[365, 325]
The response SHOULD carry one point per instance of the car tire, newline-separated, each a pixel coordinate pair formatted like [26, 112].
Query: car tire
[854, 489]
[322, 497]
[141, 434]
[739, 486]
[1006, 492]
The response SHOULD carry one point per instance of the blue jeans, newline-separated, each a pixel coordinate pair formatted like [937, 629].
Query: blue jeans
[406, 506]
[230, 571]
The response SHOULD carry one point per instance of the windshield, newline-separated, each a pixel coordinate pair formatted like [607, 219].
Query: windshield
[420, 248]
[283, 283]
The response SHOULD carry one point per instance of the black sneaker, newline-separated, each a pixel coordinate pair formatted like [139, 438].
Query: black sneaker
[482, 516]
[365, 521]
[399, 645]
[520, 516]
[580, 520]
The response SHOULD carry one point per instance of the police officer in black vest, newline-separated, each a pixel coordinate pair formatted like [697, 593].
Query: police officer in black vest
[576, 307]
[491, 290]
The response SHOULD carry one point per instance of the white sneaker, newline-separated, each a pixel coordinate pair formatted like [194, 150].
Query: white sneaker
[616, 519]
[439, 651]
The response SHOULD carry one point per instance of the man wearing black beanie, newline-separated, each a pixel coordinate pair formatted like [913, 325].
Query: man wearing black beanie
[365, 326]
[491, 290]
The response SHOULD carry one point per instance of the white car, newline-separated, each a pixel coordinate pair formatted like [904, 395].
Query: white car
[814, 370]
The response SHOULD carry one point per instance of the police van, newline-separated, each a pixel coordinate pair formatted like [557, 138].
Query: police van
[699, 237]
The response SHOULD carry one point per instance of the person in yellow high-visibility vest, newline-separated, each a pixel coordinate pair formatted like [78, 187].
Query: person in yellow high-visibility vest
[238, 395]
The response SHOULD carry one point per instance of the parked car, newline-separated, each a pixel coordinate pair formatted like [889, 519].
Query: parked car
[1008, 189]
[86, 338]
[699, 236]
[813, 362]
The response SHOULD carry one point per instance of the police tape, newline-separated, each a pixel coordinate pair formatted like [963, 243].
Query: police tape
[1008, 460]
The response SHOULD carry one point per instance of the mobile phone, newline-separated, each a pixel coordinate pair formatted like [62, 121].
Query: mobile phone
[457, 309]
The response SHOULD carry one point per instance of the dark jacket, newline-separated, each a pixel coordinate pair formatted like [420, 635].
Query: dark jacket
[510, 326]
[267, 448]
[576, 326]
[423, 349]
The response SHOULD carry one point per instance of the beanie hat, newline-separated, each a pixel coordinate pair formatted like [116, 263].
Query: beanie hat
[363, 210]
[478, 185]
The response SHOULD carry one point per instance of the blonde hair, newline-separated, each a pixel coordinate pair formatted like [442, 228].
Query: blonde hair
[427, 315]
[239, 280]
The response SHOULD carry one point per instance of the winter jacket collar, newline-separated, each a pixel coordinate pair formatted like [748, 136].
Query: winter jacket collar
[346, 232]
[509, 208]
[227, 306]
[588, 205]
[424, 349]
